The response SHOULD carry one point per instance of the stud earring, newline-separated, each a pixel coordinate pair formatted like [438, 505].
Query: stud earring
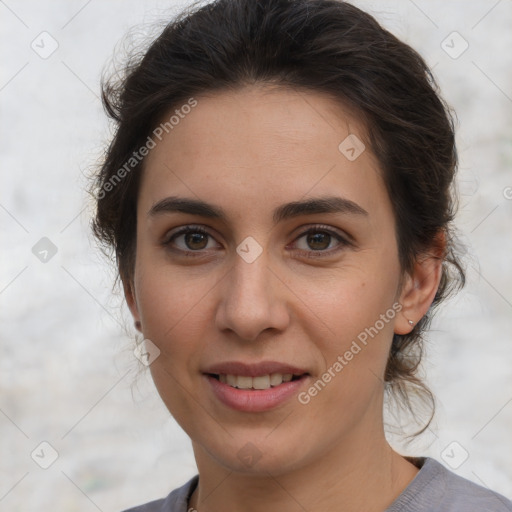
[411, 322]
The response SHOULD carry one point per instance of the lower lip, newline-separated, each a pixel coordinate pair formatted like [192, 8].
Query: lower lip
[256, 400]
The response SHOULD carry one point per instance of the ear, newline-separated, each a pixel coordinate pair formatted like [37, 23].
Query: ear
[420, 286]
[131, 300]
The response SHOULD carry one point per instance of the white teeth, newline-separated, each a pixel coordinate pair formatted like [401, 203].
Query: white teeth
[261, 382]
[243, 382]
[276, 379]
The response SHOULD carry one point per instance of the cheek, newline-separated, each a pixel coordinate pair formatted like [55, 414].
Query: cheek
[351, 382]
[358, 314]
[345, 302]
[173, 318]
[171, 306]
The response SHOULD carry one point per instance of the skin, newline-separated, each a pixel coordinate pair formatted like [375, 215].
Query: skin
[248, 151]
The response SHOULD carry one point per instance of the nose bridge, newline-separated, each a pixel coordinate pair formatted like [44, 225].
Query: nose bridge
[248, 277]
[249, 302]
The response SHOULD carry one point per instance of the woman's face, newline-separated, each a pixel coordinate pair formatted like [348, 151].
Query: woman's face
[253, 287]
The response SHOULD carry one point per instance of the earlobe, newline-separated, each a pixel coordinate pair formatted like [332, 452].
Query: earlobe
[420, 288]
[404, 323]
[129, 294]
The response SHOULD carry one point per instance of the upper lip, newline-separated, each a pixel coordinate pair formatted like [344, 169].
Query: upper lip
[253, 369]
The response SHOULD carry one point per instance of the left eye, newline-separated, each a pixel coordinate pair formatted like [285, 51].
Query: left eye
[319, 240]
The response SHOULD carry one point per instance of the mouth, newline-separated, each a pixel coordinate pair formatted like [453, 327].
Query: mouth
[254, 387]
[261, 382]
[252, 394]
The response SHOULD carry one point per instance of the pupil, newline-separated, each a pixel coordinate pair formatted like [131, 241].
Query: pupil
[313, 239]
[191, 238]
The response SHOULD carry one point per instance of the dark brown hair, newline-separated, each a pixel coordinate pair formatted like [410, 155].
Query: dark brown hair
[324, 46]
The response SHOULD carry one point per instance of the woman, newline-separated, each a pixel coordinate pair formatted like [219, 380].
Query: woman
[278, 196]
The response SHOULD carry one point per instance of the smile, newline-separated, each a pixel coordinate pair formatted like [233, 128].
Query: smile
[255, 394]
[260, 382]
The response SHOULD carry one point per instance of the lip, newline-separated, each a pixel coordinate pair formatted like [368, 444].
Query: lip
[254, 400]
[253, 369]
[258, 400]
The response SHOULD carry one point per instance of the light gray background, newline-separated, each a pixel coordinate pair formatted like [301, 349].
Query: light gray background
[67, 371]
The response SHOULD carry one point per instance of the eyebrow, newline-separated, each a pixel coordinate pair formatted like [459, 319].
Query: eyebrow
[330, 204]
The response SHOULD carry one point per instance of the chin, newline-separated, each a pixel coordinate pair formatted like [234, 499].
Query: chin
[250, 456]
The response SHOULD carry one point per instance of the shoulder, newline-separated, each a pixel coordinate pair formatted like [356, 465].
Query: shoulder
[176, 501]
[436, 488]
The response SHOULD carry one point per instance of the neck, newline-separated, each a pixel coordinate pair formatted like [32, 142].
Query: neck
[352, 476]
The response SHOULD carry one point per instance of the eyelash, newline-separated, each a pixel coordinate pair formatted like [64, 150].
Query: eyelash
[343, 242]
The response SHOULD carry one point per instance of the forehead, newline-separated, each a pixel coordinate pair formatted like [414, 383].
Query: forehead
[261, 142]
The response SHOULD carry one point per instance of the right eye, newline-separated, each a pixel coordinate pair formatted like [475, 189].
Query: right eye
[194, 240]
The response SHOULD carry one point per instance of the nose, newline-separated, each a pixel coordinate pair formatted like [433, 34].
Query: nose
[253, 299]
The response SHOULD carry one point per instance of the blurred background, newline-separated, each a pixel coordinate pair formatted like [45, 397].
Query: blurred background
[82, 428]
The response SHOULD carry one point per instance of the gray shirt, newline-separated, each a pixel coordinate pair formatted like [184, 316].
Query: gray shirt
[433, 489]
